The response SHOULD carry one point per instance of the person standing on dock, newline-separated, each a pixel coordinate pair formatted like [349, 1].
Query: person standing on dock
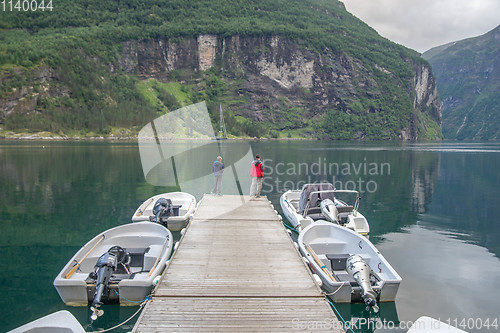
[218, 170]
[257, 173]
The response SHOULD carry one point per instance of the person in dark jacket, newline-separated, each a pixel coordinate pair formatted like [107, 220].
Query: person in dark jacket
[218, 170]
[257, 173]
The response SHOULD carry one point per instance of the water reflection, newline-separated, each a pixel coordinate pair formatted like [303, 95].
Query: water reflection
[434, 215]
[443, 277]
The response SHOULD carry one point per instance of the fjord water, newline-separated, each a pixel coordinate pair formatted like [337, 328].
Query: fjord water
[433, 209]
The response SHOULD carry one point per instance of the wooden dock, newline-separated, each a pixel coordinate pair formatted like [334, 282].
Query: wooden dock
[236, 270]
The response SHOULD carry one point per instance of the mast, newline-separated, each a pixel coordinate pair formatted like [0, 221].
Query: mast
[222, 131]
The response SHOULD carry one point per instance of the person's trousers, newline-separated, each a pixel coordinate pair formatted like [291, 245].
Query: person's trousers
[218, 185]
[256, 186]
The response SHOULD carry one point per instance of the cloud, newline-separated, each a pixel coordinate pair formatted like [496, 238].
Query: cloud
[423, 24]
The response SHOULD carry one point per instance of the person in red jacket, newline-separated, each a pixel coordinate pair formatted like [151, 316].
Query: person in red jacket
[257, 173]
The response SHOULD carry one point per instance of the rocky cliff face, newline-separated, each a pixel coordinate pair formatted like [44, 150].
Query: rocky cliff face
[42, 83]
[278, 75]
[280, 82]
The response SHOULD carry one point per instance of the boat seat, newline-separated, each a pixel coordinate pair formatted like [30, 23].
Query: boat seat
[119, 277]
[150, 256]
[316, 217]
[313, 210]
[136, 256]
[314, 199]
[344, 276]
[345, 209]
[175, 210]
[338, 261]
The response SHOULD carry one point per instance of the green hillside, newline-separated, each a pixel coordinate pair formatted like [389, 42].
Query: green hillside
[77, 47]
[468, 76]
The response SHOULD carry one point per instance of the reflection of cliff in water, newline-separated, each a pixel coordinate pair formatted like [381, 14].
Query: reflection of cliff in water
[466, 199]
[424, 176]
[52, 187]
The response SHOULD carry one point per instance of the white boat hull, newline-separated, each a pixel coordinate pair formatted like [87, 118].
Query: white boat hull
[185, 206]
[57, 322]
[332, 244]
[426, 324]
[289, 203]
[151, 239]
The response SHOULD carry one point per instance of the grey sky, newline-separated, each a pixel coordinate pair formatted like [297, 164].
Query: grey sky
[423, 24]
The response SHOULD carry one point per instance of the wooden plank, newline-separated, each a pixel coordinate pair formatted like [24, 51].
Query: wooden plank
[236, 270]
[166, 314]
[234, 207]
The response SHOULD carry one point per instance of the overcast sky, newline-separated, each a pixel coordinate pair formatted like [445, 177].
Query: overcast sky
[423, 24]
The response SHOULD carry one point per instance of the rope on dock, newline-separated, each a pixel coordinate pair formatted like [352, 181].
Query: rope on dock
[291, 228]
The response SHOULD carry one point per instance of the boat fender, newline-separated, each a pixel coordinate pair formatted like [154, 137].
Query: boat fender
[304, 259]
[156, 280]
[176, 245]
[289, 231]
[296, 245]
[317, 279]
[183, 231]
[275, 212]
[280, 217]
[272, 207]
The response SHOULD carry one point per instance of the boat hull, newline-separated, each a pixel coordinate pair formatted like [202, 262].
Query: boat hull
[151, 239]
[332, 245]
[289, 203]
[58, 322]
[185, 205]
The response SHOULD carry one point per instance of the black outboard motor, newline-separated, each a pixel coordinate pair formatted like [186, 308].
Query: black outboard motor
[162, 209]
[103, 269]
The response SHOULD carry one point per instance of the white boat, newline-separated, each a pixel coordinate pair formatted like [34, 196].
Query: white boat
[426, 324]
[319, 202]
[183, 206]
[351, 269]
[118, 265]
[57, 322]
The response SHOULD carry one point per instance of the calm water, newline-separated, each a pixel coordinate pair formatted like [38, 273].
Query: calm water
[434, 212]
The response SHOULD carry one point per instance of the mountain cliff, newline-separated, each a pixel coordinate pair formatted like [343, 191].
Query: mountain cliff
[468, 76]
[279, 68]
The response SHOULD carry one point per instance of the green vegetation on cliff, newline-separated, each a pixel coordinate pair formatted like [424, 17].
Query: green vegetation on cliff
[468, 77]
[81, 41]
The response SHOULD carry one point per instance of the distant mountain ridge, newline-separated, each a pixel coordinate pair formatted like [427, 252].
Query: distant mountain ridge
[468, 77]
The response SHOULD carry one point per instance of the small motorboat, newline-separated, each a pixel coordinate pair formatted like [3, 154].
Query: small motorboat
[319, 202]
[351, 269]
[118, 265]
[174, 211]
[61, 322]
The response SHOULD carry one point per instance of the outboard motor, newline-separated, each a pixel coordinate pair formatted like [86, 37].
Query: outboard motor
[360, 271]
[103, 269]
[329, 210]
[162, 209]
